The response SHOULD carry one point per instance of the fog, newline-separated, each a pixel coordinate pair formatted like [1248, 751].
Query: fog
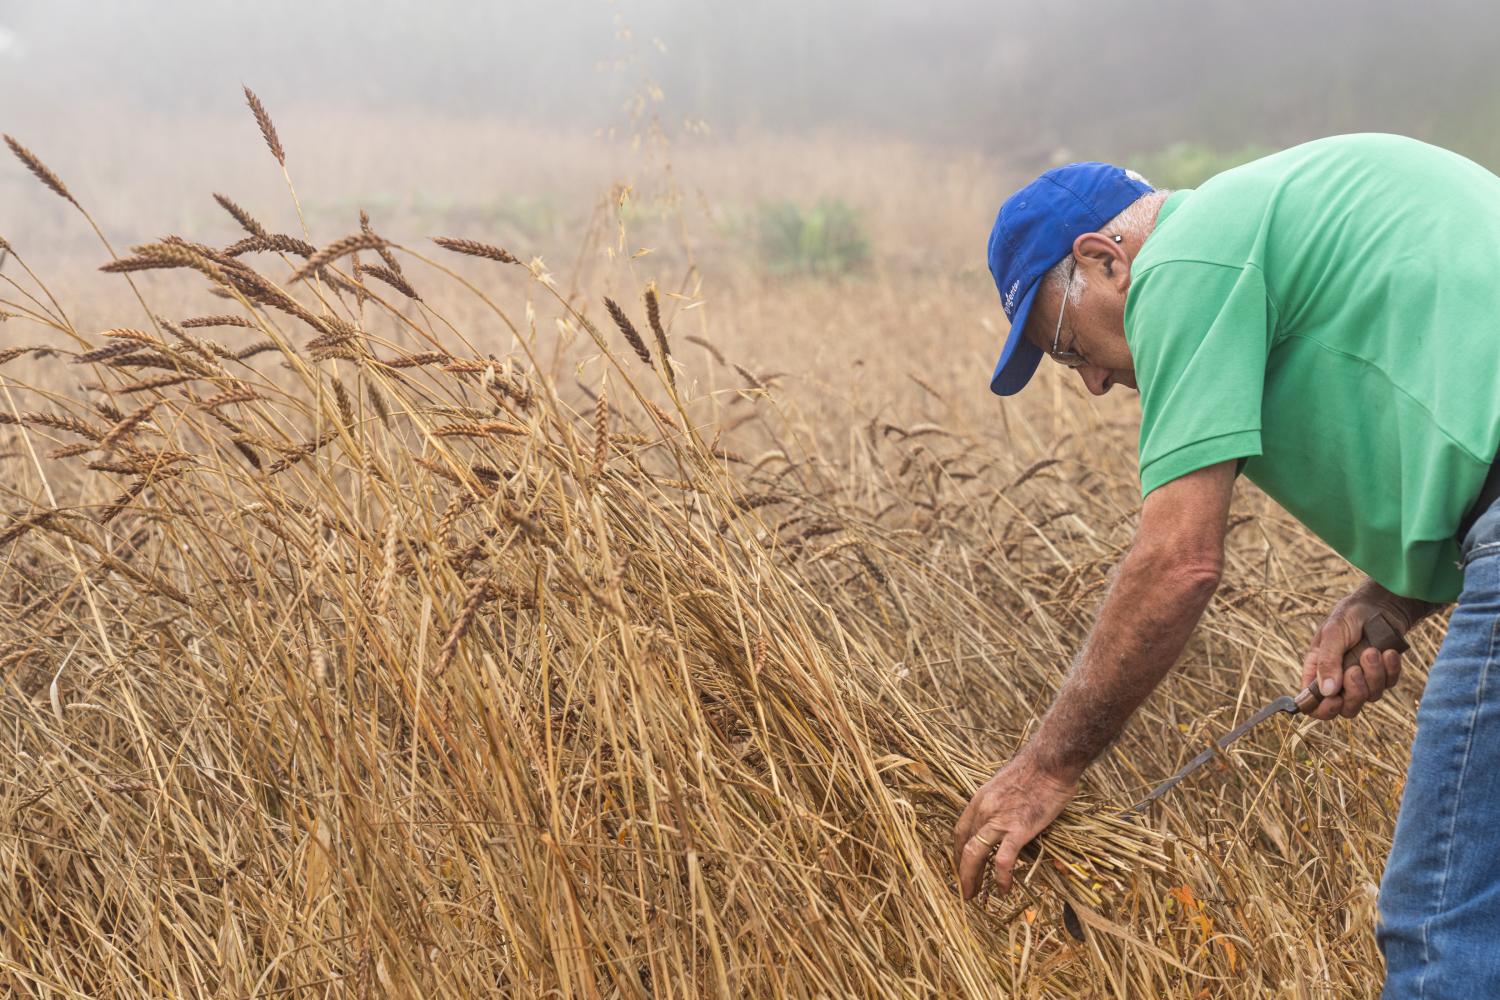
[1028, 80]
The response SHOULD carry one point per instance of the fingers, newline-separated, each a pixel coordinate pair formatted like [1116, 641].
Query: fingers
[972, 857]
[1356, 691]
[1347, 680]
[1366, 679]
[998, 847]
[1372, 665]
[1005, 861]
[1392, 667]
[1010, 809]
[1325, 658]
[1310, 663]
[1328, 709]
[1378, 670]
[961, 832]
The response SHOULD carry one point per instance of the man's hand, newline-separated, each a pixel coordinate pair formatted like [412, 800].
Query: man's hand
[1348, 682]
[1008, 810]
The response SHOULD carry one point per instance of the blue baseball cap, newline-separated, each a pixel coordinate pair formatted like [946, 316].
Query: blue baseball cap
[1035, 229]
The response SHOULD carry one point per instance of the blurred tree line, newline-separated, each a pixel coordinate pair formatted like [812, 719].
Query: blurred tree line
[1039, 82]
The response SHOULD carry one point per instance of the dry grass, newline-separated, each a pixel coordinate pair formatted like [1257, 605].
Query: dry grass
[356, 656]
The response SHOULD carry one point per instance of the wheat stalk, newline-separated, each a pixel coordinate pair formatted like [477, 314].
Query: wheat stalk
[270, 242]
[601, 434]
[243, 394]
[155, 256]
[335, 250]
[244, 218]
[653, 317]
[475, 249]
[106, 352]
[127, 426]
[42, 172]
[247, 353]
[342, 400]
[267, 128]
[385, 254]
[391, 278]
[632, 335]
[219, 320]
[481, 591]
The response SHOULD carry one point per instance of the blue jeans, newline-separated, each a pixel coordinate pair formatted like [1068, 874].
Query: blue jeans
[1440, 897]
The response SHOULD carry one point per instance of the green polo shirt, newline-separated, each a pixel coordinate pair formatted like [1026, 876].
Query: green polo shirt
[1331, 315]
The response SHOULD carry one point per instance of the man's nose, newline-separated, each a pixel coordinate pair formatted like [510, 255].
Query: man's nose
[1096, 379]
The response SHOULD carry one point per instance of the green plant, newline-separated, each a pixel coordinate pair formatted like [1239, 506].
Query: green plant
[826, 239]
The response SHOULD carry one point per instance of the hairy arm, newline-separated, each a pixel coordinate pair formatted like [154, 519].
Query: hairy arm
[1159, 591]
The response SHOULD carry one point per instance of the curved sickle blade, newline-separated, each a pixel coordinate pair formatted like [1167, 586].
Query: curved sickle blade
[1283, 704]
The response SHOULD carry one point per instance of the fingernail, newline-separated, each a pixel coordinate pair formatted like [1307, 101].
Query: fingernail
[1330, 686]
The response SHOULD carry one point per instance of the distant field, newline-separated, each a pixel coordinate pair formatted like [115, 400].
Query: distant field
[399, 622]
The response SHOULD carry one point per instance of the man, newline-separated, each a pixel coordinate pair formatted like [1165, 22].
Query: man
[1327, 321]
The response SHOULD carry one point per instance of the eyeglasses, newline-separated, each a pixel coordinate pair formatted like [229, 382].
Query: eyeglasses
[1068, 359]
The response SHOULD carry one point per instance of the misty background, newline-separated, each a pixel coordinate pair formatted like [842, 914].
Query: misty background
[831, 138]
[1023, 79]
[810, 183]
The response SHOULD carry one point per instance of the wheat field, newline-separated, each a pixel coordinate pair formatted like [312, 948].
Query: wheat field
[401, 613]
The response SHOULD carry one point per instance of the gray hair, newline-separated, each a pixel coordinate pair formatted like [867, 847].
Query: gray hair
[1138, 219]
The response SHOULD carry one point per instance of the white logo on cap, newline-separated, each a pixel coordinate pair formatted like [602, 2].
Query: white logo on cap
[1010, 297]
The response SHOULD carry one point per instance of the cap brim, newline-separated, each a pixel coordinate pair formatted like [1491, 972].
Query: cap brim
[1019, 357]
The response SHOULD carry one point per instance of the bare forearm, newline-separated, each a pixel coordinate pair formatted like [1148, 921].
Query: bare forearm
[1142, 627]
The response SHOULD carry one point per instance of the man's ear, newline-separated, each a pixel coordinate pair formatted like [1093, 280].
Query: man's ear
[1107, 254]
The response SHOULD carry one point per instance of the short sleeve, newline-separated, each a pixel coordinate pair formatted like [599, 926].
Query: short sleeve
[1199, 334]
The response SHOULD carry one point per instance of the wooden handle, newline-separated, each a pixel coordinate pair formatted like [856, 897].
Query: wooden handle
[1380, 633]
